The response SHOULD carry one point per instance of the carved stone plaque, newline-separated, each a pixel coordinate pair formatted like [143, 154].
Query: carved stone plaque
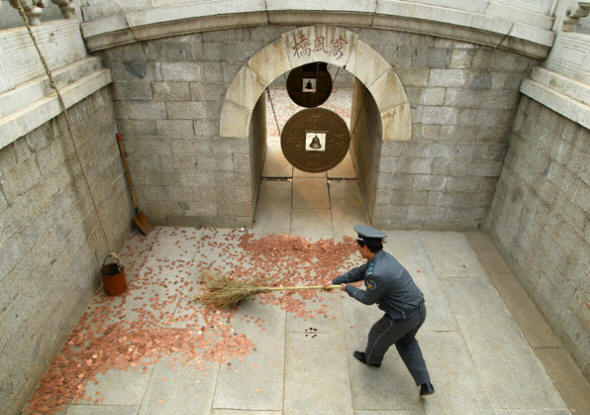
[315, 140]
[310, 85]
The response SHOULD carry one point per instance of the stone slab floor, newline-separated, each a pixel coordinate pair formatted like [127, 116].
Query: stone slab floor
[153, 351]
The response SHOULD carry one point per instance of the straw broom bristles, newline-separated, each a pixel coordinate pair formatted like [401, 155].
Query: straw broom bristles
[226, 292]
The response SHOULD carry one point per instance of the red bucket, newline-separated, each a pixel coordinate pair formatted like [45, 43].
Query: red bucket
[113, 275]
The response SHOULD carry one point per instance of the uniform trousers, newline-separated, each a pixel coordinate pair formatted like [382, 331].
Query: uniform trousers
[401, 332]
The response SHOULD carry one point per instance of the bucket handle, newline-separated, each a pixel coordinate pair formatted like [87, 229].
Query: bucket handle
[117, 260]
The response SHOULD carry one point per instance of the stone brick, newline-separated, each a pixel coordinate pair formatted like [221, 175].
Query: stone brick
[39, 138]
[22, 149]
[448, 77]
[432, 57]
[7, 159]
[201, 91]
[428, 182]
[458, 199]
[215, 162]
[479, 80]
[414, 76]
[506, 80]
[462, 58]
[171, 91]
[193, 177]
[439, 115]
[206, 128]
[181, 71]
[152, 192]
[138, 110]
[130, 127]
[133, 90]
[213, 72]
[134, 51]
[175, 128]
[20, 179]
[185, 110]
[51, 157]
[168, 50]
[470, 184]
[412, 165]
[426, 131]
[432, 96]
[484, 118]
[409, 197]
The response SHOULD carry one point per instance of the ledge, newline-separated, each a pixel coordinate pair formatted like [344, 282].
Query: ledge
[470, 24]
[26, 119]
[558, 102]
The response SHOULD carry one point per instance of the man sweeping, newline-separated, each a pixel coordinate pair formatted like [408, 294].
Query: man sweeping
[388, 284]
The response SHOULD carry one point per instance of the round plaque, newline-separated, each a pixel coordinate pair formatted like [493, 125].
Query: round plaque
[310, 85]
[315, 140]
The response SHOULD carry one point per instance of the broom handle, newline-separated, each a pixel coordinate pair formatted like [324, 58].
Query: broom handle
[304, 288]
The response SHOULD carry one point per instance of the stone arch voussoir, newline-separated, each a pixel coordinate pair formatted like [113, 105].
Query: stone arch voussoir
[323, 43]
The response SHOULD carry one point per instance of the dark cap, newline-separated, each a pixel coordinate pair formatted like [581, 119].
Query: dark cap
[368, 233]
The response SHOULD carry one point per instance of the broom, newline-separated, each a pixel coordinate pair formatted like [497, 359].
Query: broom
[226, 292]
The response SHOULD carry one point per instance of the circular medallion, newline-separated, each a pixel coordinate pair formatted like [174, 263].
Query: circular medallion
[310, 85]
[315, 140]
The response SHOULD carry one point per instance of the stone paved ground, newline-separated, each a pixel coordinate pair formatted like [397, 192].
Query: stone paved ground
[487, 347]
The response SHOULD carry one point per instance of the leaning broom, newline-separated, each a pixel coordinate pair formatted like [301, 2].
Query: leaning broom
[226, 292]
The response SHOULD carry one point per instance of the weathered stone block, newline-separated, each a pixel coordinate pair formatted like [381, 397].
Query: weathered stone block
[428, 182]
[185, 110]
[470, 184]
[168, 50]
[133, 90]
[432, 96]
[127, 52]
[131, 127]
[206, 128]
[171, 91]
[175, 128]
[448, 77]
[213, 72]
[22, 150]
[7, 158]
[129, 110]
[20, 179]
[462, 58]
[439, 115]
[409, 197]
[412, 165]
[432, 57]
[201, 91]
[414, 76]
[181, 71]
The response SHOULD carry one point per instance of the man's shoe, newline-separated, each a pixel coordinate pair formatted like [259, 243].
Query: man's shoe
[360, 356]
[426, 389]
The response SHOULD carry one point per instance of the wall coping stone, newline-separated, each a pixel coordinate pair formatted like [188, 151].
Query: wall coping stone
[26, 119]
[497, 29]
[573, 88]
[570, 108]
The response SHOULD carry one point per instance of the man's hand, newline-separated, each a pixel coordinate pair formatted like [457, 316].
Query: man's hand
[343, 287]
[326, 284]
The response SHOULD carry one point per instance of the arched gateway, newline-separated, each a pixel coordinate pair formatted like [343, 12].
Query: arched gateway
[317, 44]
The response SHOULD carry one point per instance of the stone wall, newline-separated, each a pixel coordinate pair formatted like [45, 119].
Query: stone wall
[540, 219]
[365, 126]
[463, 98]
[169, 94]
[51, 243]
[168, 99]
[257, 151]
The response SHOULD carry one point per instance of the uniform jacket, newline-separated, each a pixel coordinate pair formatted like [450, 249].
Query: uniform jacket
[387, 283]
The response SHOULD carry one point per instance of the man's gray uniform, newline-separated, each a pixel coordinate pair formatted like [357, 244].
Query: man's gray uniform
[390, 285]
